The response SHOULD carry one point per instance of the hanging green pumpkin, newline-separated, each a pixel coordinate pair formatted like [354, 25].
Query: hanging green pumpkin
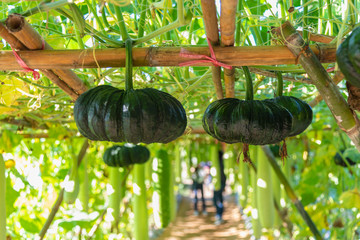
[122, 156]
[106, 113]
[348, 57]
[253, 122]
[301, 112]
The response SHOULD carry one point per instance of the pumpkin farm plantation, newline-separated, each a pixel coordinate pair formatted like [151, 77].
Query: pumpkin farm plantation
[180, 119]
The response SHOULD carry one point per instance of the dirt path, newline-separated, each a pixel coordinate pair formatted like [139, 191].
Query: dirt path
[189, 226]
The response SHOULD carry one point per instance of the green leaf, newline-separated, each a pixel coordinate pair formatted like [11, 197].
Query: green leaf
[353, 154]
[81, 219]
[30, 225]
[11, 196]
[350, 199]
[9, 140]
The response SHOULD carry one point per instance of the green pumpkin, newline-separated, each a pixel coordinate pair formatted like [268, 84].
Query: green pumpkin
[301, 112]
[122, 156]
[147, 115]
[354, 49]
[343, 59]
[253, 122]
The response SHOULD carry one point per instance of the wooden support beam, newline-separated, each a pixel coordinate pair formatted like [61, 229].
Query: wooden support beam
[158, 57]
[212, 33]
[22, 31]
[227, 28]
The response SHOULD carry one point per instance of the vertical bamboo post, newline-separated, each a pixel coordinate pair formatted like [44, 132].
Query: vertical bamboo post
[341, 111]
[227, 29]
[212, 33]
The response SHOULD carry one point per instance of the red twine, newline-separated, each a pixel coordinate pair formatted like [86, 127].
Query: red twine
[26, 68]
[205, 59]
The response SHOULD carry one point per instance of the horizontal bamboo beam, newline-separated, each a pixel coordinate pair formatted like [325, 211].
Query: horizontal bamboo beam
[158, 57]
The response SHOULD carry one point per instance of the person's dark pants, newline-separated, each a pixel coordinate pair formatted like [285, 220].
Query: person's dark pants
[196, 188]
[218, 202]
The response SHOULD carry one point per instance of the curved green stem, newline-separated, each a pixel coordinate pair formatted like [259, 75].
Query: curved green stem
[92, 8]
[180, 21]
[142, 18]
[128, 65]
[279, 90]
[291, 193]
[249, 84]
[2, 199]
[180, 12]
[120, 18]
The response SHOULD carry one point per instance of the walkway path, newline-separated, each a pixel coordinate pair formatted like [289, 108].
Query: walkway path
[188, 226]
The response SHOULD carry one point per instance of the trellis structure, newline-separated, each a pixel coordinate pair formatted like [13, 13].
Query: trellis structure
[57, 64]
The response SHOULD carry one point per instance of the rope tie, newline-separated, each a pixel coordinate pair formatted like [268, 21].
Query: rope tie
[203, 58]
[26, 68]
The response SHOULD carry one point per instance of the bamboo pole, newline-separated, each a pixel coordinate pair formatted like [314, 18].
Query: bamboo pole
[285, 77]
[341, 111]
[16, 44]
[227, 29]
[158, 57]
[319, 37]
[8, 37]
[212, 32]
[337, 78]
[23, 31]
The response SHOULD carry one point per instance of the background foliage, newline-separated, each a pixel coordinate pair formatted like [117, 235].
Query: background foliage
[30, 108]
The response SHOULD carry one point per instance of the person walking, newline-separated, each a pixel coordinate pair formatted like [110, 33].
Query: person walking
[218, 191]
[198, 180]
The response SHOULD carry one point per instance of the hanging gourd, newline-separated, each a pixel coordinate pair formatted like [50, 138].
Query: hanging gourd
[301, 111]
[248, 121]
[106, 113]
[348, 57]
[122, 156]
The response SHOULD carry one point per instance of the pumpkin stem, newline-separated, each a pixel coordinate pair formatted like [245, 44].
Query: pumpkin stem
[249, 84]
[245, 151]
[279, 89]
[283, 152]
[128, 65]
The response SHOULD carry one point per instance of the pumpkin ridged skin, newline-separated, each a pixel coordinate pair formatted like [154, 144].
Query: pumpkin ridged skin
[354, 49]
[300, 110]
[345, 65]
[147, 115]
[253, 122]
[122, 156]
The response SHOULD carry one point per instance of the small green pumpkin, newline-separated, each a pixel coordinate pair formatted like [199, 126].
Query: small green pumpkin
[122, 156]
[106, 113]
[354, 48]
[147, 115]
[301, 112]
[253, 122]
[344, 61]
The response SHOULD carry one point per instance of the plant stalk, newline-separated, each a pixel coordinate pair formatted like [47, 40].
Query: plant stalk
[2, 199]
[140, 210]
[290, 192]
[128, 65]
[249, 84]
[280, 86]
